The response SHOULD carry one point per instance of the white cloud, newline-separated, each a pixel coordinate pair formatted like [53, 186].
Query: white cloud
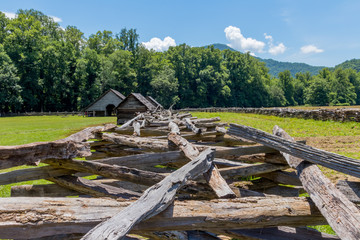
[274, 49]
[239, 42]
[10, 15]
[310, 49]
[160, 45]
[56, 19]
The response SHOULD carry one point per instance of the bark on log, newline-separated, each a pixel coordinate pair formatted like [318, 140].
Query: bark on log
[138, 142]
[288, 178]
[93, 188]
[342, 215]
[109, 171]
[350, 189]
[154, 200]
[128, 123]
[330, 160]
[279, 233]
[89, 133]
[192, 127]
[33, 153]
[212, 177]
[136, 126]
[24, 218]
[250, 170]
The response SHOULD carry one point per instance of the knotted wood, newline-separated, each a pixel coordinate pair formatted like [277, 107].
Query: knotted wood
[38, 217]
[154, 200]
[212, 177]
[330, 160]
[342, 215]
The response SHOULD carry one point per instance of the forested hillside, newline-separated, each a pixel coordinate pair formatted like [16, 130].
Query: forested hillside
[44, 67]
[353, 64]
[275, 67]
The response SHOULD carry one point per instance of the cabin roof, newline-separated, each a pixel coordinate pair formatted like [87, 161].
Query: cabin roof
[117, 93]
[154, 102]
[141, 99]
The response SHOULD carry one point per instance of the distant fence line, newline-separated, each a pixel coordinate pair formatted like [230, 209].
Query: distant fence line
[40, 114]
[340, 115]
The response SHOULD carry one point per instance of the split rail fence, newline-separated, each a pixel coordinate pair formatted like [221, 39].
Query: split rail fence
[172, 176]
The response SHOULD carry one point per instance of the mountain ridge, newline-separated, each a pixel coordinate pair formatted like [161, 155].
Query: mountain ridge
[275, 67]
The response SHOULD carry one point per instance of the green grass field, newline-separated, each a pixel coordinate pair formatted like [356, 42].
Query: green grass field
[22, 130]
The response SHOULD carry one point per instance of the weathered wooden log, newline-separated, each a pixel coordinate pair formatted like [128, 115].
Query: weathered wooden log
[192, 127]
[212, 177]
[38, 217]
[330, 160]
[278, 233]
[54, 190]
[154, 200]
[342, 215]
[184, 115]
[128, 123]
[93, 188]
[33, 153]
[206, 120]
[89, 133]
[136, 126]
[250, 170]
[174, 128]
[138, 142]
[350, 189]
[288, 178]
[109, 171]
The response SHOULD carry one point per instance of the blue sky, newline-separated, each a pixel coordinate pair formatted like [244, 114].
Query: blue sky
[318, 32]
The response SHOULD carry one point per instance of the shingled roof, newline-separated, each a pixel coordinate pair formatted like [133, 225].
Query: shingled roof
[144, 101]
[154, 102]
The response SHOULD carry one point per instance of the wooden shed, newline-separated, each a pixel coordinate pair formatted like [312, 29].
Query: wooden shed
[106, 104]
[131, 105]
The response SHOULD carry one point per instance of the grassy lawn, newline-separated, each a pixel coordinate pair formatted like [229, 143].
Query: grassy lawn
[22, 130]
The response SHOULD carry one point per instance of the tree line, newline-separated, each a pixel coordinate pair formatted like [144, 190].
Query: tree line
[44, 67]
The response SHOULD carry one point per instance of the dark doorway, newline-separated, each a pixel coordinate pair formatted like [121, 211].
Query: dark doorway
[110, 110]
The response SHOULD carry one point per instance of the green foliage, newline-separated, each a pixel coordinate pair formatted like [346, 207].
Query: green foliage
[10, 99]
[55, 69]
[350, 64]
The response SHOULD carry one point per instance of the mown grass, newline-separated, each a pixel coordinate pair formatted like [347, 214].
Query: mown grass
[294, 126]
[22, 130]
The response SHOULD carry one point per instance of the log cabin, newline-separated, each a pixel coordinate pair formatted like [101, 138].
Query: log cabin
[105, 105]
[132, 104]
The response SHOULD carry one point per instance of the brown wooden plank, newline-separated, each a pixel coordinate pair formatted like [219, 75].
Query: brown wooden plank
[330, 160]
[154, 200]
[39, 217]
[342, 215]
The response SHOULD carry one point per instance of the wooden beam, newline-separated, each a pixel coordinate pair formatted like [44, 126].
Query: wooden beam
[33, 153]
[350, 189]
[128, 123]
[39, 217]
[154, 200]
[89, 133]
[250, 170]
[109, 171]
[330, 160]
[93, 188]
[342, 215]
[212, 177]
[192, 127]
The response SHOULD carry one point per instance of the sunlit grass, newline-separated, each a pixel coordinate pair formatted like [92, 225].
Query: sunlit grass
[22, 130]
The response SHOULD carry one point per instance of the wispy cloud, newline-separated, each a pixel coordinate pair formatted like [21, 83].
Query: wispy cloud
[239, 42]
[160, 45]
[311, 49]
[56, 19]
[10, 15]
[274, 49]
